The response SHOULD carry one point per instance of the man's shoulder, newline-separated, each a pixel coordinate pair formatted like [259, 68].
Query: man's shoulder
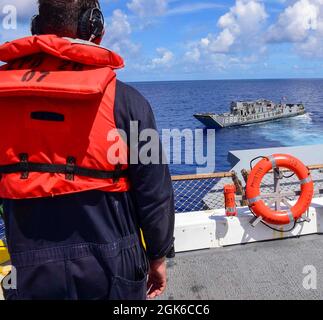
[130, 102]
[129, 93]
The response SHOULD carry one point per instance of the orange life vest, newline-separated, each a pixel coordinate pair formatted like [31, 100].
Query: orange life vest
[57, 108]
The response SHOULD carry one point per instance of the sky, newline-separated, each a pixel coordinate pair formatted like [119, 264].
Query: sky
[164, 40]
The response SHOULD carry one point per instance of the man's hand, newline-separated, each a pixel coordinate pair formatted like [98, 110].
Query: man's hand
[157, 279]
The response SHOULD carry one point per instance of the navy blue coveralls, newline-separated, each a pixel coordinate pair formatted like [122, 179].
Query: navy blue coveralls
[87, 245]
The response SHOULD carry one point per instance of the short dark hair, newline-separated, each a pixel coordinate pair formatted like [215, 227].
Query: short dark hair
[61, 17]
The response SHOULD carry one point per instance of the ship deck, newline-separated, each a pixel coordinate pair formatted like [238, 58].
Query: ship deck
[259, 271]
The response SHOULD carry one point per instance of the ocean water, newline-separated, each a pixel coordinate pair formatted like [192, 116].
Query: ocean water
[174, 104]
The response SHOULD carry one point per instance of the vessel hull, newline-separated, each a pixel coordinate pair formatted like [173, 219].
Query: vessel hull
[211, 122]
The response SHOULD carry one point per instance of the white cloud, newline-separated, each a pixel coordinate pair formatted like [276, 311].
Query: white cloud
[193, 55]
[118, 36]
[220, 43]
[147, 8]
[301, 23]
[119, 26]
[241, 30]
[312, 47]
[165, 58]
[296, 21]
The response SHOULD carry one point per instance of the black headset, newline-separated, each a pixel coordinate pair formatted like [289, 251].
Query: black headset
[90, 27]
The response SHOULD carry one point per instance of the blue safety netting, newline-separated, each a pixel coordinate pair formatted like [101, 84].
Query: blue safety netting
[2, 233]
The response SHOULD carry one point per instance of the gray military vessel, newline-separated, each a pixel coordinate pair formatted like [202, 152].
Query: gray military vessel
[249, 112]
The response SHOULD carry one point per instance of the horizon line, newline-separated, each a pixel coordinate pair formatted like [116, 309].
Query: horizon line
[230, 79]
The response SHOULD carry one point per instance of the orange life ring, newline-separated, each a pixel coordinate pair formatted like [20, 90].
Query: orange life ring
[258, 206]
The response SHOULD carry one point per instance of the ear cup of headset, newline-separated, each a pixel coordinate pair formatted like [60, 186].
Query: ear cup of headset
[84, 26]
[91, 24]
[35, 25]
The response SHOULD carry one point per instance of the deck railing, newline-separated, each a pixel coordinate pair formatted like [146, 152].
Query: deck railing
[191, 190]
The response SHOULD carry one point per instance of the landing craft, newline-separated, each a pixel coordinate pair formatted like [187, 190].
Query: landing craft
[249, 112]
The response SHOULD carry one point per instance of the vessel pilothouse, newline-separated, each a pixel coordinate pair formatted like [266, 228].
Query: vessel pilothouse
[249, 112]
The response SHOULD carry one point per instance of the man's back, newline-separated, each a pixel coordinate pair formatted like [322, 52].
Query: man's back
[87, 245]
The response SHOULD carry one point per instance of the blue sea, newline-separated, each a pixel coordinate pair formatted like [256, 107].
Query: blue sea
[174, 104]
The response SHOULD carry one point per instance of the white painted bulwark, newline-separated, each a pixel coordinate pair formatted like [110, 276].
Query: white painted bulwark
[194, 231]
[212, 229]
